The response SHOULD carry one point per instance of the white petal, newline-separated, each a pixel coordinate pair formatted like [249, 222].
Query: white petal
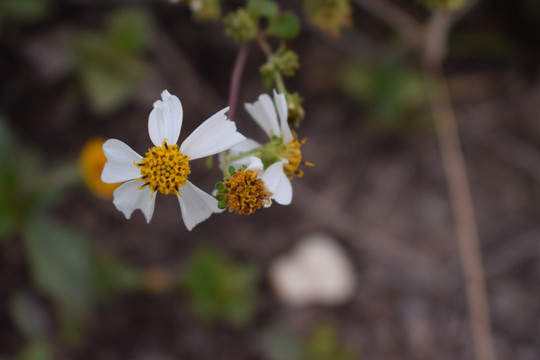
[282, 108]
[255, 164]
[263, 112]
[237, 149]
[120, 165]
[196, 205]
[213, 136]
[243, 146]
[165, 120]
[278, 182]
[128, 198]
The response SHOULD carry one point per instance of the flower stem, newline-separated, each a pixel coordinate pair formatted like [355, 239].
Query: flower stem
[243, 155]
[236, 77]
[265, 47]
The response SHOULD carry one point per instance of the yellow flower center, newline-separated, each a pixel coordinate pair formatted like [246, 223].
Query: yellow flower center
[165, 169]
[246, 193]
[293, 153]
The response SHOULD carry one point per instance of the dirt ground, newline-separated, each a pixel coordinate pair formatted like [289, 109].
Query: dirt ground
[382, 194]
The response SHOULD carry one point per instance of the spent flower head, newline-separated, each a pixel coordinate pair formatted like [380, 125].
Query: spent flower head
[165, 167]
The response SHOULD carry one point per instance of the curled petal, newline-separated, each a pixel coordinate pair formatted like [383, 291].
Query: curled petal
[278, 182]
[254, 163]
[120, 165]
[213, 136]
[128, 198]
[165, 120]
[263, 112]
[282, 108]
[196, 205]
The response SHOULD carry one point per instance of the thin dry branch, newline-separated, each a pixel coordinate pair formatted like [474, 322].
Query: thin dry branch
[458, 183]
[433, 54]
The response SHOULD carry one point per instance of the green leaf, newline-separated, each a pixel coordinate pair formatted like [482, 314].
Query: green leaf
[263, 7]
[24, 10]
[106, 91]
[60, 264]
[284, 25]
[39, 350]
[323, 344]
[112, 276]
[280, 343]
[129, 30]
[220, 290]
[29, 316]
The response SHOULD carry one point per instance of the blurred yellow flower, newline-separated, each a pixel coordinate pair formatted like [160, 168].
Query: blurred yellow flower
[91, 162]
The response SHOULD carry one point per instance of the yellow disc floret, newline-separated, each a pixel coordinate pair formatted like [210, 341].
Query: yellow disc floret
[246, 193]
[293, 153]
[165, 169]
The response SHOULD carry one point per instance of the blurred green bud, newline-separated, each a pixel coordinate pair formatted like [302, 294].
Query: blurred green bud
[329, 16]
[287, 62]
[284, 61]
[240, 25]
[296, 110]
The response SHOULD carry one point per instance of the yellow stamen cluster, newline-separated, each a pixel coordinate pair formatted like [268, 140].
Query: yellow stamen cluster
[246, 193]
[165, 169]
[294, 155]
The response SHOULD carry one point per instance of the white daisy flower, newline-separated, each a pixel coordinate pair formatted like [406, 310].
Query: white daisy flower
[165, 167]
[282, 155]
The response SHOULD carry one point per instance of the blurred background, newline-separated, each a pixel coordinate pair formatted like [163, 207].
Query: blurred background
[362, 265]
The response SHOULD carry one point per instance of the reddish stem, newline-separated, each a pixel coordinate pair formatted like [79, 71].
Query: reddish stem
[236, 77]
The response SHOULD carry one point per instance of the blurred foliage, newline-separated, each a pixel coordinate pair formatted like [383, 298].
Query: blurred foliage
[111, 64]
[488, 46]
[284, 61]
[392, 93]
[27, 186]
[23, 10]
[62, 263]
[243, 24]
[112, 276]
[240, 25]
[329, 16]
[442, 5]
[280, 343]
[220, 290]
[205, 10]
[323, 344]
[283, 25]
[38, 350]
[29, 316]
